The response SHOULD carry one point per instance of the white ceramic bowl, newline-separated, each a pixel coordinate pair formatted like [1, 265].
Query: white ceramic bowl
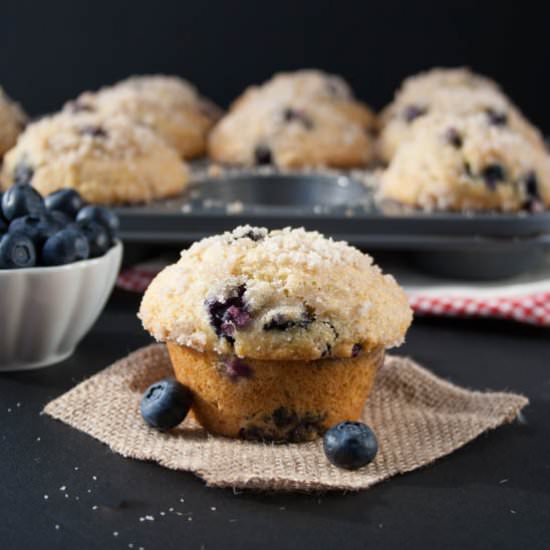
[46, 311]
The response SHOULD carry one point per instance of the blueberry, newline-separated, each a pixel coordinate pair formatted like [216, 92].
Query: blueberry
[308, 427]
[356, 349]
[20, 200]
[16, 251]
[412, 112]
[295, 115]
[263, 155]
[103, 216]
[453, 138]
[64, 247]
[496, 118]
[532, 186]
[79, 106]
[533, 200]
[493, 174]
[165, 404]
[336, 90]
[23, 173]
[37, 228]
[82, 246]
[60, 219]
[98, 237]
[283, 417]
[254, 234]
[237, 316]
[93, 131]
[67, 201]
[327, 351]
[350, 445]
[255, 433]
[229, 314]
[237, 368]
[281, 322]
[285, 425]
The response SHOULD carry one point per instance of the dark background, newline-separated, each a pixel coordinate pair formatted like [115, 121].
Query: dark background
[493, 493]
[50, 51]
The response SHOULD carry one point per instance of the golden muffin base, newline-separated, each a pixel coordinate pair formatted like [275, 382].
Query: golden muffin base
[274, 400]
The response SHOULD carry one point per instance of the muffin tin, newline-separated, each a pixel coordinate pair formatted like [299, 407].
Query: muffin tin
[471, 246]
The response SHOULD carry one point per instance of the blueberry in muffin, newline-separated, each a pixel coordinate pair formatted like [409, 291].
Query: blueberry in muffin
[305, 118]
[464, 163]
[168, 105]
[455, 91]
[278, 334]
[107, 160]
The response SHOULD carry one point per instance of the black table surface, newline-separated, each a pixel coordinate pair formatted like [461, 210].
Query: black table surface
[62, 489]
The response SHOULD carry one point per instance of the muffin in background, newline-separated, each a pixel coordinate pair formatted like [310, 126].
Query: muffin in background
[448, 91]
[108, 160]
[278, 334]
[424, 84]
[12, 122]
[170, 106]
[454, 162]
[300, 119]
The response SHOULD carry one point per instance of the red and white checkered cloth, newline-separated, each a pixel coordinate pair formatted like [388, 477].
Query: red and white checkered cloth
[531, 308]
[136, 279]
[525, 301]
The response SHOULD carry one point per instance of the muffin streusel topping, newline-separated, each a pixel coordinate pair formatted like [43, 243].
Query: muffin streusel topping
[283, 294]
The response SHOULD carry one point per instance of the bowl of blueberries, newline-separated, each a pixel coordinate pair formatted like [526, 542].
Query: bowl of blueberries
[59, 259]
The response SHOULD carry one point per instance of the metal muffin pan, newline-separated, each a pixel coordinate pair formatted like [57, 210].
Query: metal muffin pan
[473, 246]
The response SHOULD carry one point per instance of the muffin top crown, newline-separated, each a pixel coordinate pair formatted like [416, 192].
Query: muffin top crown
[156, 96]
[108, 160]
[75, 136]
[449, 91]
[428, 82]
[171, 87]
[310, 83]
[168, 105]
[284, 294]
[468, 163]
[305, 118]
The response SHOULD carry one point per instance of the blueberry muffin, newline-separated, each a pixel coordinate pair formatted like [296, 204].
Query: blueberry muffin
[168, 105]
[426, 83]
[12, 122]
[455, 91]
[278, 334]
[464, 163]
[108, 160]
[306, 118]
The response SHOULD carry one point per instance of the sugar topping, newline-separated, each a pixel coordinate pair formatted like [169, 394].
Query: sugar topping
[108, 160]
[172, 88]
[85, 135]
[310, 83]
[225, 292]
[306, 118]
[457, 92]
[424, 84]
[170, 106]
[467, 162]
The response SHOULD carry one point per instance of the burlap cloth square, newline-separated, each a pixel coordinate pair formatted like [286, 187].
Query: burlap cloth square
[417, 418]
